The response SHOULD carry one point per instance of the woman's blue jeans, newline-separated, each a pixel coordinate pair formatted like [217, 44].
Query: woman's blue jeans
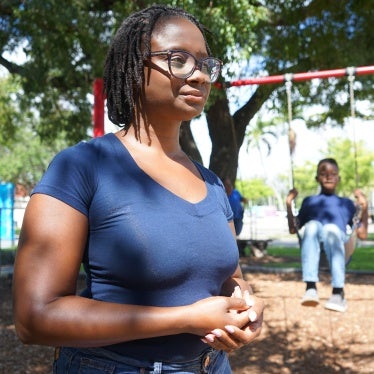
[99, 361]
[333, 240]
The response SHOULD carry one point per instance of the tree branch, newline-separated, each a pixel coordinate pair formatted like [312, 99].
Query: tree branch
[12, 67]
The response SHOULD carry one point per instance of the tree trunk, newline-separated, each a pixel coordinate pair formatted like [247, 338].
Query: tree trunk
[227, 132]
[224, 156]
[187, 142]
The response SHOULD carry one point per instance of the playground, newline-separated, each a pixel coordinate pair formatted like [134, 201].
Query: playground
[294, 339]
[58, 97]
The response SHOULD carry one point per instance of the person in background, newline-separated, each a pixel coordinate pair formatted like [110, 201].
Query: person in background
[325, 218]
[153, 228]
[236, 202]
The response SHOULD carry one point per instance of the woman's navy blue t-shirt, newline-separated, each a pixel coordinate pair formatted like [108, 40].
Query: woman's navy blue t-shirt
[146, 246]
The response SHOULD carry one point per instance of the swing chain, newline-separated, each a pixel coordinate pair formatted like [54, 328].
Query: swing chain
[351, 78]
[288, 80]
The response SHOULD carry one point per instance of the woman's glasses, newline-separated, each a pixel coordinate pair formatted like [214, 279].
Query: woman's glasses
[182, 64]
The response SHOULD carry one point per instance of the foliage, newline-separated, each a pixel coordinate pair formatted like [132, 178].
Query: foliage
[23, 156]
[356, 166]
[303, 36]
[25, 160]
[344, 151]
[259, 135]
[65, 48]
[9, 115]
[255, 190]
[297, 37]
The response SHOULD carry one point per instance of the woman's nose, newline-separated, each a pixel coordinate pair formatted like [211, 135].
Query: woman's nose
[198, 76]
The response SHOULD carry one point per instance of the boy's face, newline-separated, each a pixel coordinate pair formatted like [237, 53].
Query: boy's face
[328, 177]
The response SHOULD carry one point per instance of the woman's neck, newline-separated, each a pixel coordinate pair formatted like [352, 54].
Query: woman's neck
[166, 142]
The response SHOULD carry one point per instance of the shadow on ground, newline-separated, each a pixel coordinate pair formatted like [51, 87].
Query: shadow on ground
[294, 339]
[297, 339]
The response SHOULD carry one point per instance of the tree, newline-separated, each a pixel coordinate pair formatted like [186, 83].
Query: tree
[25, 160]
[356, 167]
[23, 156]
[9, 115]
[260, 135]
[255, 190]
[295, 37]
[65, 48]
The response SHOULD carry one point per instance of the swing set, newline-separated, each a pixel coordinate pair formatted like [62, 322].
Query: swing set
[288, 79]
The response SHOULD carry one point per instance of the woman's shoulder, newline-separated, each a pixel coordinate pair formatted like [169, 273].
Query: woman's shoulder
[208, 175]
[87, 150]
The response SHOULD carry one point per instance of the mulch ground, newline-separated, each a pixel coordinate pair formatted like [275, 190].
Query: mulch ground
[294, 339]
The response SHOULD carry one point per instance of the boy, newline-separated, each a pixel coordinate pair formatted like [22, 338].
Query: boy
[236, 200]
[325, 218]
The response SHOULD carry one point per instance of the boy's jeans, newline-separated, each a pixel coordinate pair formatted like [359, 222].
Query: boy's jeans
[333, 240]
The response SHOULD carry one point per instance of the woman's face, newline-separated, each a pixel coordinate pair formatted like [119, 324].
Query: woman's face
[168, 98]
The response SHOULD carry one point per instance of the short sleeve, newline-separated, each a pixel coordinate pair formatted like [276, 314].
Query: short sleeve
[70, 177]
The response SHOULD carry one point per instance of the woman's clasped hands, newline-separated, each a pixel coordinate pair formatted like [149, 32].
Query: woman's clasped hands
[243, 321]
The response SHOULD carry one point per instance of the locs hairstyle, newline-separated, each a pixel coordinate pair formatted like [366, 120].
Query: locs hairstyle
[124, 65]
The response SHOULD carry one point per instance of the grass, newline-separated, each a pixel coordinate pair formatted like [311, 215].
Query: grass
[363, 258]
[371, 236]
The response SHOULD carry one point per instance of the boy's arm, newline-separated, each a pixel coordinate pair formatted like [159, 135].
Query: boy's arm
[362, 229]
[291, 219]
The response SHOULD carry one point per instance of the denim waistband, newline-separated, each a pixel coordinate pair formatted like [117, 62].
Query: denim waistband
[198, 365]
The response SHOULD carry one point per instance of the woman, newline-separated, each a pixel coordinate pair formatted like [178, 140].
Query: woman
[164, 289]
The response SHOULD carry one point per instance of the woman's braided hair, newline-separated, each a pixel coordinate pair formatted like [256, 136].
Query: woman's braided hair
[124, 65]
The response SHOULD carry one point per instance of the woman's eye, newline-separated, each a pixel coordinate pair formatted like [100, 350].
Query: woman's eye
[178, 60]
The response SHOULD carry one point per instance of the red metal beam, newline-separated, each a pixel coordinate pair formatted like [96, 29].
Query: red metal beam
[297, 77]
[98, 109]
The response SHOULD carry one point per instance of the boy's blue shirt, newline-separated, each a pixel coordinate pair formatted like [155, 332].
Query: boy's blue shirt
[327, 209]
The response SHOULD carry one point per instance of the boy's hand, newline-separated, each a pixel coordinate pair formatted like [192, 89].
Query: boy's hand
[361, 199]
[292, 194]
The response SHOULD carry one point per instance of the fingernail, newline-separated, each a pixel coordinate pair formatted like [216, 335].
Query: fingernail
[209, 338]
[230, 329]
[248, 299]
[236, 292]
[252, 315]
[217, 333]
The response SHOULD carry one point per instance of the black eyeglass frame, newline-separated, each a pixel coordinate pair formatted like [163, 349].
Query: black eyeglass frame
[198, 63]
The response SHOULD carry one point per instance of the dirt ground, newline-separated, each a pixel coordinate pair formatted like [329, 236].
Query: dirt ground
[294, 339]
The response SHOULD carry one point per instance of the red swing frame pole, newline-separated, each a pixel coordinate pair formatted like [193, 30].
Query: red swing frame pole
[297, 77]
[98, 108]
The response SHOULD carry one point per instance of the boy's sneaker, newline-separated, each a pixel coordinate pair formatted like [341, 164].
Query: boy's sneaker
[310, 298]
[337, 303]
